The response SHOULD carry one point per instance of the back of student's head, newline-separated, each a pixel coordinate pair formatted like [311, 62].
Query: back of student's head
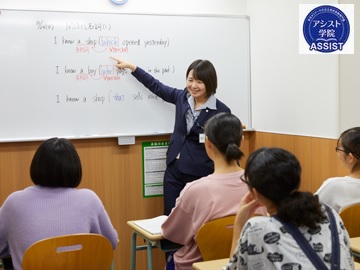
[349, 140]
[275, 173]
[224, 130]
[56, 163]
[203, 70]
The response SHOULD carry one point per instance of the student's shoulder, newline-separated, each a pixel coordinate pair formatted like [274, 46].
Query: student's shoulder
[260, 224]
[86, 192]
[89, 197]
[195, 189]
[195, 185]
[260, 219]
[16, 194]
[332, 183]
[25, 192]
[21, 196]
[338, 179]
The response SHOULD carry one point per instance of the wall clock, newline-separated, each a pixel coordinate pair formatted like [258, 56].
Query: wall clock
[119, 2]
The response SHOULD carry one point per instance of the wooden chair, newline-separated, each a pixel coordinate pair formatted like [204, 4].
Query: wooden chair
[214, 238]
[351, 218]
[70, 252]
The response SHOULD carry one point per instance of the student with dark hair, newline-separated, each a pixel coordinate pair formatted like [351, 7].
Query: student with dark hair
[211, 197]
[299, 232]
[340, 192]
[54, 205]
[186, 157]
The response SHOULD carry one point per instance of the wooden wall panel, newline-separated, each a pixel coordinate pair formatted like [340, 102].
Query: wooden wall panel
[115, 173]
[246, 147]
[15, 159]
[112, 171]
[326, 163]
[317, 156]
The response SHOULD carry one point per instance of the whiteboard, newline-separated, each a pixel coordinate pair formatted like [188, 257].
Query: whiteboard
[57, 77]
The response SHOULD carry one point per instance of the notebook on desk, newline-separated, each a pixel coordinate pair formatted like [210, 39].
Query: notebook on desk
[219, 264]
[152, 225]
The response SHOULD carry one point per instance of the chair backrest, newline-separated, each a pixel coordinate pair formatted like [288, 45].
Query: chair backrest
[70, 252]
[351, 218]
[214, 238]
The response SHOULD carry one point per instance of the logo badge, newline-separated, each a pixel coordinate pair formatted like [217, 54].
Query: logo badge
[327, 29]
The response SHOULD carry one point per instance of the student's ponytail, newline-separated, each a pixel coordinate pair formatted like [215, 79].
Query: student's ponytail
[301, 208]
[275, 174]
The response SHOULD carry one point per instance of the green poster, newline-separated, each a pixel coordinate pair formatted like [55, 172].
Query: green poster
[154, 166]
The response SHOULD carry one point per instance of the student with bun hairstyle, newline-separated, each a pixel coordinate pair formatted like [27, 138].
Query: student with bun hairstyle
[211, 197]
[340, 192]
[271, 242]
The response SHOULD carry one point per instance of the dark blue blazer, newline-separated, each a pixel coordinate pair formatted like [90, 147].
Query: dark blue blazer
[193, 158]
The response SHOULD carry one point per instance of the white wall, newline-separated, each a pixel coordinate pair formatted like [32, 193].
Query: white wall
[291, 93]
[312, 95]
[227, 7]
[349, 95]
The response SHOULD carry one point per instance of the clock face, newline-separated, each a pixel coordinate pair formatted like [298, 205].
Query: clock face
[119, 2]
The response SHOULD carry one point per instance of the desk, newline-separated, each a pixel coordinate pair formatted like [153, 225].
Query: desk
[355, 244]
[218, 264]
[152, 241]
[355, 247]
[211, 265]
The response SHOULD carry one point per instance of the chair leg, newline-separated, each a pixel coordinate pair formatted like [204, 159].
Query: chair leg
[356, 256]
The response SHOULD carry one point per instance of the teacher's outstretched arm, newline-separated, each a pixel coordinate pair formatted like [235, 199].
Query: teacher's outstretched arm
[124, 64]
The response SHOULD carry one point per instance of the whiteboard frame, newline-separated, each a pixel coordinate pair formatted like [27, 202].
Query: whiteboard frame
[40, 138]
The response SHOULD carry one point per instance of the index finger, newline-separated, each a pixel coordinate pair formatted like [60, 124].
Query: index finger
[116, 59]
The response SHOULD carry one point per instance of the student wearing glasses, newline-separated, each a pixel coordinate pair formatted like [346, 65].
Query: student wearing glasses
[299, 233]
[340, 192]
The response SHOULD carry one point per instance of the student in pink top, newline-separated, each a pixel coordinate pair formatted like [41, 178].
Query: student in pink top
[211, 197]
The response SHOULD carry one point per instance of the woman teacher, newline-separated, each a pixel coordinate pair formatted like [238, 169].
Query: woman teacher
[186, 156]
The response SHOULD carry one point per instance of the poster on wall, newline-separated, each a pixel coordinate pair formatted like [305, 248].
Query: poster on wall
[154, 166]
